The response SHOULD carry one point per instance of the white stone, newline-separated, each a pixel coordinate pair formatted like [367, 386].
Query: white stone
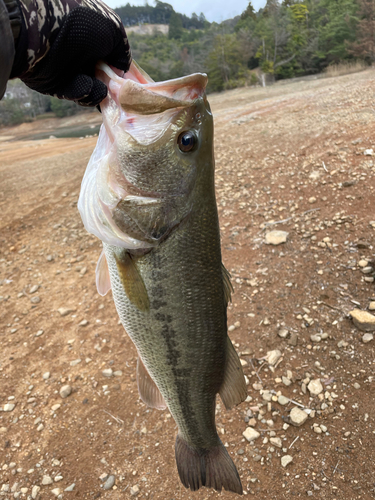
[65, 391]
[286, 460]
[298, 417]
[250, 434]
[367, 338]
[47, 480]
[9, 407]
[363, 320]
[35, 491]
[272, 357]
[315, 387]
[276, 237]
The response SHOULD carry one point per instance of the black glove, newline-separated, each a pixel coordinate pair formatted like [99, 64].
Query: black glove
[67, 69]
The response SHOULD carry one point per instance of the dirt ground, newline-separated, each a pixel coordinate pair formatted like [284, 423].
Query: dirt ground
[294, 157]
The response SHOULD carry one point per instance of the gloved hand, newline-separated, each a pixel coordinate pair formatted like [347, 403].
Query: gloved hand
[61, 60]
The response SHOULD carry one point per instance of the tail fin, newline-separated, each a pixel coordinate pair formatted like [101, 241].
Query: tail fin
[211, 467]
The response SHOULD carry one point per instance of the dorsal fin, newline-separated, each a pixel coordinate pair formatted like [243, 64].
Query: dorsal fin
[103, 281]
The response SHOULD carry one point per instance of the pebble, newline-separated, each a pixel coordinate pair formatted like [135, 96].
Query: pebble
[109, 482]
[46, 375]
[286, 460]
[75, 362]
[134, 490]
[363, 263]
[58, 478]
[283, 333]
[250, 434]
[47, 480]
[64, 311]
[108, 372]
[315, 338]
[55, 407]
[282, 400]
[356, 385]
[34, 289]
[70, 488]
[315, 387]
[371, 306]
[363, 320]
[298, 417]
[56, 491]
[276, 237]
[312, 200]
[9, 407]
[286, 381]
[276, 442]
[65, 391]
[272, 357]
[367, 337]
[35, 491]
[35, 300]
[84, 322]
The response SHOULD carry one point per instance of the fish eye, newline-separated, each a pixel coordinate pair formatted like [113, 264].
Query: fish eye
[187, 141]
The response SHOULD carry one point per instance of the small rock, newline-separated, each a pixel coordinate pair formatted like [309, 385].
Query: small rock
[34, 289]
[108, 372]
[315, 338]
[70, 488]
[315, 387]
[46, 375]
[368, 152]
[276, 442]
[363, 263]
[356, 385]
[65, 391]
[298, 417]
[286, 460]
[293, 341]
[134, 490]
[371, 306]
[35, 300]
[272, 357]
[250, 434]
[283, 333]
[286, 381]
[64, 311]
[282, 400]
[55, 407]
[58, 478]
[312, 200]
[276, 237]
[109, 482]
[75, 362]
[84, 322]
[9, 407]
[35, 491]
[56, 491]
[47, 480]
[367, 338]
[363, 320]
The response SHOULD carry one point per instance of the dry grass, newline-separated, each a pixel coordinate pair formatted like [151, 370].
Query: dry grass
[345, 68]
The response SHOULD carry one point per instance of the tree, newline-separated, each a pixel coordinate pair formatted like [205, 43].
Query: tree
[364, 46]
[175, 26]
[249, 12]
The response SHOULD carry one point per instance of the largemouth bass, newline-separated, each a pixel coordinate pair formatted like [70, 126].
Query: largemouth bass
[148, 193]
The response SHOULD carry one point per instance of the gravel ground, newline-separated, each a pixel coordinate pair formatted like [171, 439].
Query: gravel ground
[295, 188]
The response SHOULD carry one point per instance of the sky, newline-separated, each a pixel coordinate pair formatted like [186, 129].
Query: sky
[214, 10]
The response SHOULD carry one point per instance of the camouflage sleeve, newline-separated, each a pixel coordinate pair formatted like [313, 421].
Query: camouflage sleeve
[10, 23]
[44, 18]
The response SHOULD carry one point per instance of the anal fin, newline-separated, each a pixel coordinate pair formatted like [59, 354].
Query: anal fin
[103, 282]
[147, 388]
[233, 389]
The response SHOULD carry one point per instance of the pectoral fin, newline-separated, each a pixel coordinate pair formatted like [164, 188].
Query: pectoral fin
[132, 282]
[233, 390]
[147, 388]
[103, 282]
